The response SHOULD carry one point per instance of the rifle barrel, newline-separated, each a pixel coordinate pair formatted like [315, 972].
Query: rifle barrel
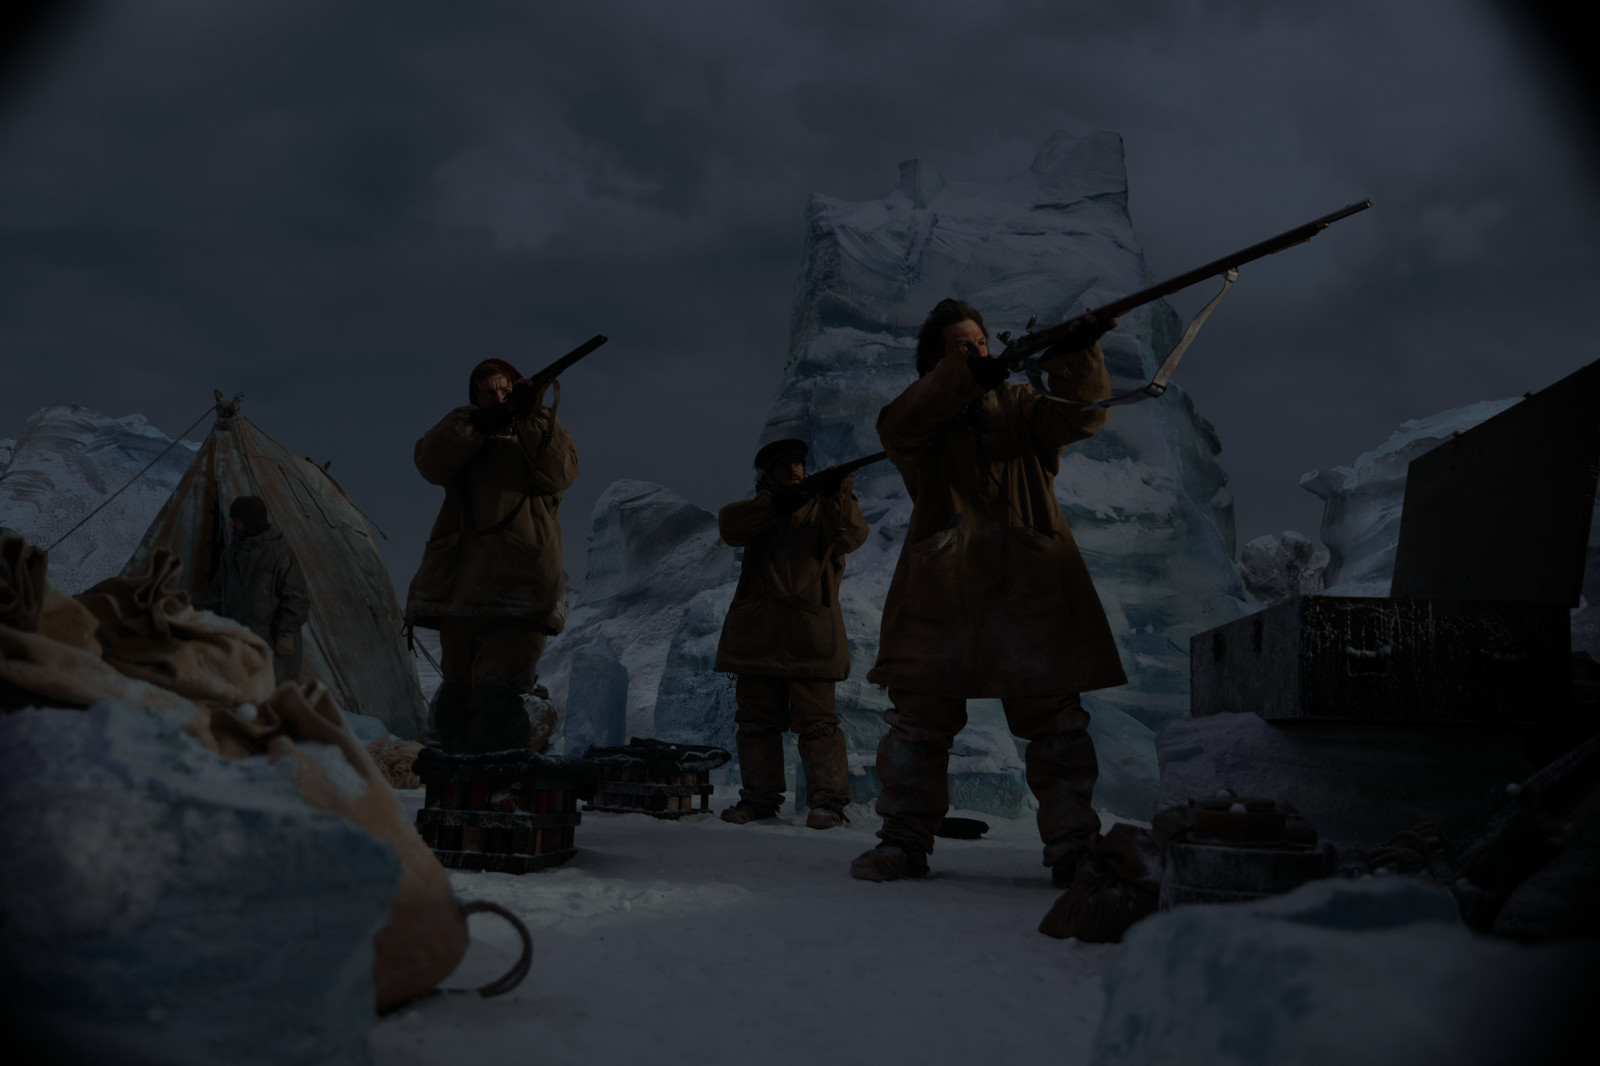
[554, 370]
[1287, 239]
[848, 468]
[1032, 342]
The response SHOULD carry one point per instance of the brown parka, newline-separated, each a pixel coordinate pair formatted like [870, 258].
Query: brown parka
[785, 619]
[990, 597]
[495, 548]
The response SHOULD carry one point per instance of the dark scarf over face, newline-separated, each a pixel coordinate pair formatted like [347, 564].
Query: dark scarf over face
[252, 511]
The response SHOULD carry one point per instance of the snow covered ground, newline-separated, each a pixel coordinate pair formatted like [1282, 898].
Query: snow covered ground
[702, 942]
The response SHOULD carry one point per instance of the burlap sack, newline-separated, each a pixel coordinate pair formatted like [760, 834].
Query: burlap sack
[49, 650]
[427, 931]
[150, 631]
[1117, 884]
[214, 678]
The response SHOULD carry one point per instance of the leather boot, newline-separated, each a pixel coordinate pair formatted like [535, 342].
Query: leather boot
[450, 716]
[889, 862]
[499, 720]
[827, 772]
[761, 770]
[1062, 770]
[744, 812]
[916, 791]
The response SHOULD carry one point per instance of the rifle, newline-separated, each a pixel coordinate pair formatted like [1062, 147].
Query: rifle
[822, 479]
[540, 380]
[1020, 354]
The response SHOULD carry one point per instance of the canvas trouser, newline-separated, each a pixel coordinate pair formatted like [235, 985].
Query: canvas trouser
[288, 667]
[486, 664]
[914, 759]
[767, 707]
[475, 650]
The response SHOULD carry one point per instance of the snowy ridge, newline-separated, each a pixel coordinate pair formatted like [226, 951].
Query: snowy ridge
[66, 461]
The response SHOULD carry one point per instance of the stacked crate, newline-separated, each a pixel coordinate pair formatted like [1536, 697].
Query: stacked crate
[508, 811]
[654, 777]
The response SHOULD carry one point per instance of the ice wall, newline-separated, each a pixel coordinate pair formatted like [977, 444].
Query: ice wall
[651, 553]
[65, 463]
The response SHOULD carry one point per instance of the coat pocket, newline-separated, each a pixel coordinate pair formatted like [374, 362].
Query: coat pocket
[933, 568]
[811, 630]
[1030, 568]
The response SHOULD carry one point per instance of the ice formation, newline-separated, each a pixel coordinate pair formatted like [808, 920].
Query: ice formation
[66, 462]
[1361, 504]
[1375, 971]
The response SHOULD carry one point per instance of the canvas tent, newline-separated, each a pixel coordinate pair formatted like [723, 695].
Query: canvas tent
[353, 641]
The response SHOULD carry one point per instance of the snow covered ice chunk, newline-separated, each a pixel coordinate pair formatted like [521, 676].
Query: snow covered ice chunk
[1375, 971]
[176, 906]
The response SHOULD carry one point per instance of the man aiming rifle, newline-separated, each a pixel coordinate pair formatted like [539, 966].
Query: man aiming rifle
[491, 578]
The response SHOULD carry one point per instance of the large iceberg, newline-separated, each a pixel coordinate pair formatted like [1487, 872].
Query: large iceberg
[1146, 498]
[69, 460]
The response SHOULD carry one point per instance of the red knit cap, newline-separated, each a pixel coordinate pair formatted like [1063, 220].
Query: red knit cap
[486, 369]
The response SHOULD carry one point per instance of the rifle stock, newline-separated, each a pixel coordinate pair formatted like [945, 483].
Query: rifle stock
[1029, 343]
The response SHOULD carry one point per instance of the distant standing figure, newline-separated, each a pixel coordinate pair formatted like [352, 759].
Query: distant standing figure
[259, 584]
[990, 597]
[784, 634]
[490, 580]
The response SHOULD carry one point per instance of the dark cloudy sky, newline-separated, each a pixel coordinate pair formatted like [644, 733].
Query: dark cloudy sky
[337, 208]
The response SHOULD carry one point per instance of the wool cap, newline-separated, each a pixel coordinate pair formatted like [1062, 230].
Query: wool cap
[781, 451]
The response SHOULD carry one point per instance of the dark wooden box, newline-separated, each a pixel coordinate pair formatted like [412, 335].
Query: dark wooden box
[510, 812]
[655, 777]
[1335, 658]
[671, 797]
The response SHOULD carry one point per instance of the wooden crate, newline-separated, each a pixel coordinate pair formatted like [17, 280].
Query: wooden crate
[1336, 658]
[506, 812]
[654, 777]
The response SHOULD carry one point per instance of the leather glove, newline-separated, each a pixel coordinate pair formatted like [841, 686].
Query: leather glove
[524, 399]
[1085, 332]
[491, 418]
[283, 643]
[987, 372]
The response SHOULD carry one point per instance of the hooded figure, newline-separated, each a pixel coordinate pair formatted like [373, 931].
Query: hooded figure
[990, 597]
[259, 584]
[784, 634]
[490, 580]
